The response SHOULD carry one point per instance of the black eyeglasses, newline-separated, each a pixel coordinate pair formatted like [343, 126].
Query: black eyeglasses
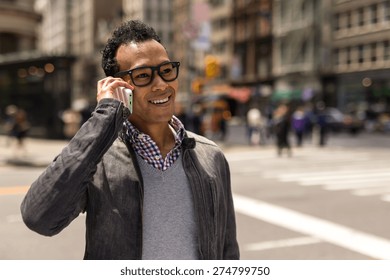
[143, 76]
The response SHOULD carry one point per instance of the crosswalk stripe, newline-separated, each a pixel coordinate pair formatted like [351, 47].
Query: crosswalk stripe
[345, 237]
[356, 184]
[333, 173]
[386, 198]
[360, 172]
[339, 178]
[375, 190]
[267, 245]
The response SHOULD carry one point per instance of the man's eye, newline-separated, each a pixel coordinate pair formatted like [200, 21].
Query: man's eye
[166, 71]
[142, 76]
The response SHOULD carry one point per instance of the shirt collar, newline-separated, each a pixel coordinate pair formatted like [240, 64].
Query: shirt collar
[134, 136]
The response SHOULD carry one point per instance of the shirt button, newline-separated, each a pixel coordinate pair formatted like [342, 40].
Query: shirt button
[157, 157]
[140, 136]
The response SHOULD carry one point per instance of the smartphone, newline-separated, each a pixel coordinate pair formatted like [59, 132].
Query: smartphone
[128, 97]
[129, 93]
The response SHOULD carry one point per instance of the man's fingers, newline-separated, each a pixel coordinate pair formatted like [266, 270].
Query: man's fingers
[109, 87]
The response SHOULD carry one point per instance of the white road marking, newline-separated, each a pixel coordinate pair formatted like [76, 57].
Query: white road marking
[373, 190]
[351, 239]
[357, 184]
[335, 175]
[386, 198]
[299, 241]
[16, 218]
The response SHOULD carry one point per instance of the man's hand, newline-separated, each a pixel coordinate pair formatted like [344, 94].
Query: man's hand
[110, 87]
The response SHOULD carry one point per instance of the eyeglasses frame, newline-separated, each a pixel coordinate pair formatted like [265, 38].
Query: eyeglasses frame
[176, 64]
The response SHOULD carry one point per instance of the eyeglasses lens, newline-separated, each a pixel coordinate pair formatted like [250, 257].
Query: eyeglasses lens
[143, 76]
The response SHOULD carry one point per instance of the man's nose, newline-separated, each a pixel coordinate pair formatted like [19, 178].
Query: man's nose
[158, 83]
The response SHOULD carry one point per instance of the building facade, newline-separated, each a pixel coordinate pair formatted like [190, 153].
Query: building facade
[361, 55]
[299, 57]
[18, 23]
[32, 81]
[251, 57]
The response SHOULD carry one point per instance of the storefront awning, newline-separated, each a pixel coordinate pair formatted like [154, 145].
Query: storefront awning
[286, 95]
[241, 94]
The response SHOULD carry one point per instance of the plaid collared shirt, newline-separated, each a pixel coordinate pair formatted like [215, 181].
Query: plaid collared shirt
[147, 149]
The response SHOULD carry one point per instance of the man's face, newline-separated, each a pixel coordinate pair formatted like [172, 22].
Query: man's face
[153, 103]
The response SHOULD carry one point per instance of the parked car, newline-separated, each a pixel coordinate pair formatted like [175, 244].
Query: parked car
[334, 119]
[339, 121]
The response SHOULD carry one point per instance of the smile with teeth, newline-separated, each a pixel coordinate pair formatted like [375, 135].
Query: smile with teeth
[160, 101]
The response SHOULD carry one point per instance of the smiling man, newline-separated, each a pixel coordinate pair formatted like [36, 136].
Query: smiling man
[150, 188]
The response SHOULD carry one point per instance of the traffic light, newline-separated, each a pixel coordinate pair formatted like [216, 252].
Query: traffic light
[212, 67]
[197, 86]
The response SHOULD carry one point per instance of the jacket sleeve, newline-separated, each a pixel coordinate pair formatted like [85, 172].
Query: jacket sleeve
[59, 194]
[231, 249]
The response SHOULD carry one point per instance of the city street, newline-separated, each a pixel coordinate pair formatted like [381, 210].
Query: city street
[322, 203]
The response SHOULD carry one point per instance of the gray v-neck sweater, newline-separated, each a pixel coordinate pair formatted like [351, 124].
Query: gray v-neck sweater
[169, 226]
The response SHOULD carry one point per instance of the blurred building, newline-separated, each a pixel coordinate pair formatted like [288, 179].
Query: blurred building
[18, 23]
[220, 42]
[250, 70]
[158, 14]
[299, 58]
[361, 54]
[183, 32]
[29, 79]
[254, 53]
[191, 40]
[80, 29]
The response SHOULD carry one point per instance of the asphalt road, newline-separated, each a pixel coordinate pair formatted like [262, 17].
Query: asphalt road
[321, 203]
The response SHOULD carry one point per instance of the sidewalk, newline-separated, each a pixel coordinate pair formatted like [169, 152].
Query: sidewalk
[39, 152]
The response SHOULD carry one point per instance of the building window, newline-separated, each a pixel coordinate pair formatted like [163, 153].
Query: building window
[386, 50]
[361, 16]
[349, 20]
[374, 13]
[337, 22]
[387, 10]
[303, 52]
[337, 56]
[304, 9]
[9, 43]
[216, 3]
[283, 9]
[360, 54]
[283, 52]
[348, 53]
[240, 30]
[373, 52]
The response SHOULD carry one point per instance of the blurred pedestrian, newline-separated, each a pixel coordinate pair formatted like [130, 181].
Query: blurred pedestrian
[19, 131]
[150, 188]
[72, 120]
[299, 124]
[281, 124]
[197, 119]
[10, 113]
[223, 125]
[321, 123]
[255, 126]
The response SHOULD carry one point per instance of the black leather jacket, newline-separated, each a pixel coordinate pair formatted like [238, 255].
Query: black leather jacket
[98, 173]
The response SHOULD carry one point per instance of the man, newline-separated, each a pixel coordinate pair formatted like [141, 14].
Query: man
[151, 189]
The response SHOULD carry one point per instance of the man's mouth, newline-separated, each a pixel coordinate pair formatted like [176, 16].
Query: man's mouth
[160, 101]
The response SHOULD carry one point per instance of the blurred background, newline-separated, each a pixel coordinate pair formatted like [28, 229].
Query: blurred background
[235, 55]
[260, 77]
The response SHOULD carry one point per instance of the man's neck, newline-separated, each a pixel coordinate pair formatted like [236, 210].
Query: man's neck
[161, 134]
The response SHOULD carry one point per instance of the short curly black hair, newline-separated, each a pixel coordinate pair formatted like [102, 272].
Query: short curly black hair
[129, 31]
